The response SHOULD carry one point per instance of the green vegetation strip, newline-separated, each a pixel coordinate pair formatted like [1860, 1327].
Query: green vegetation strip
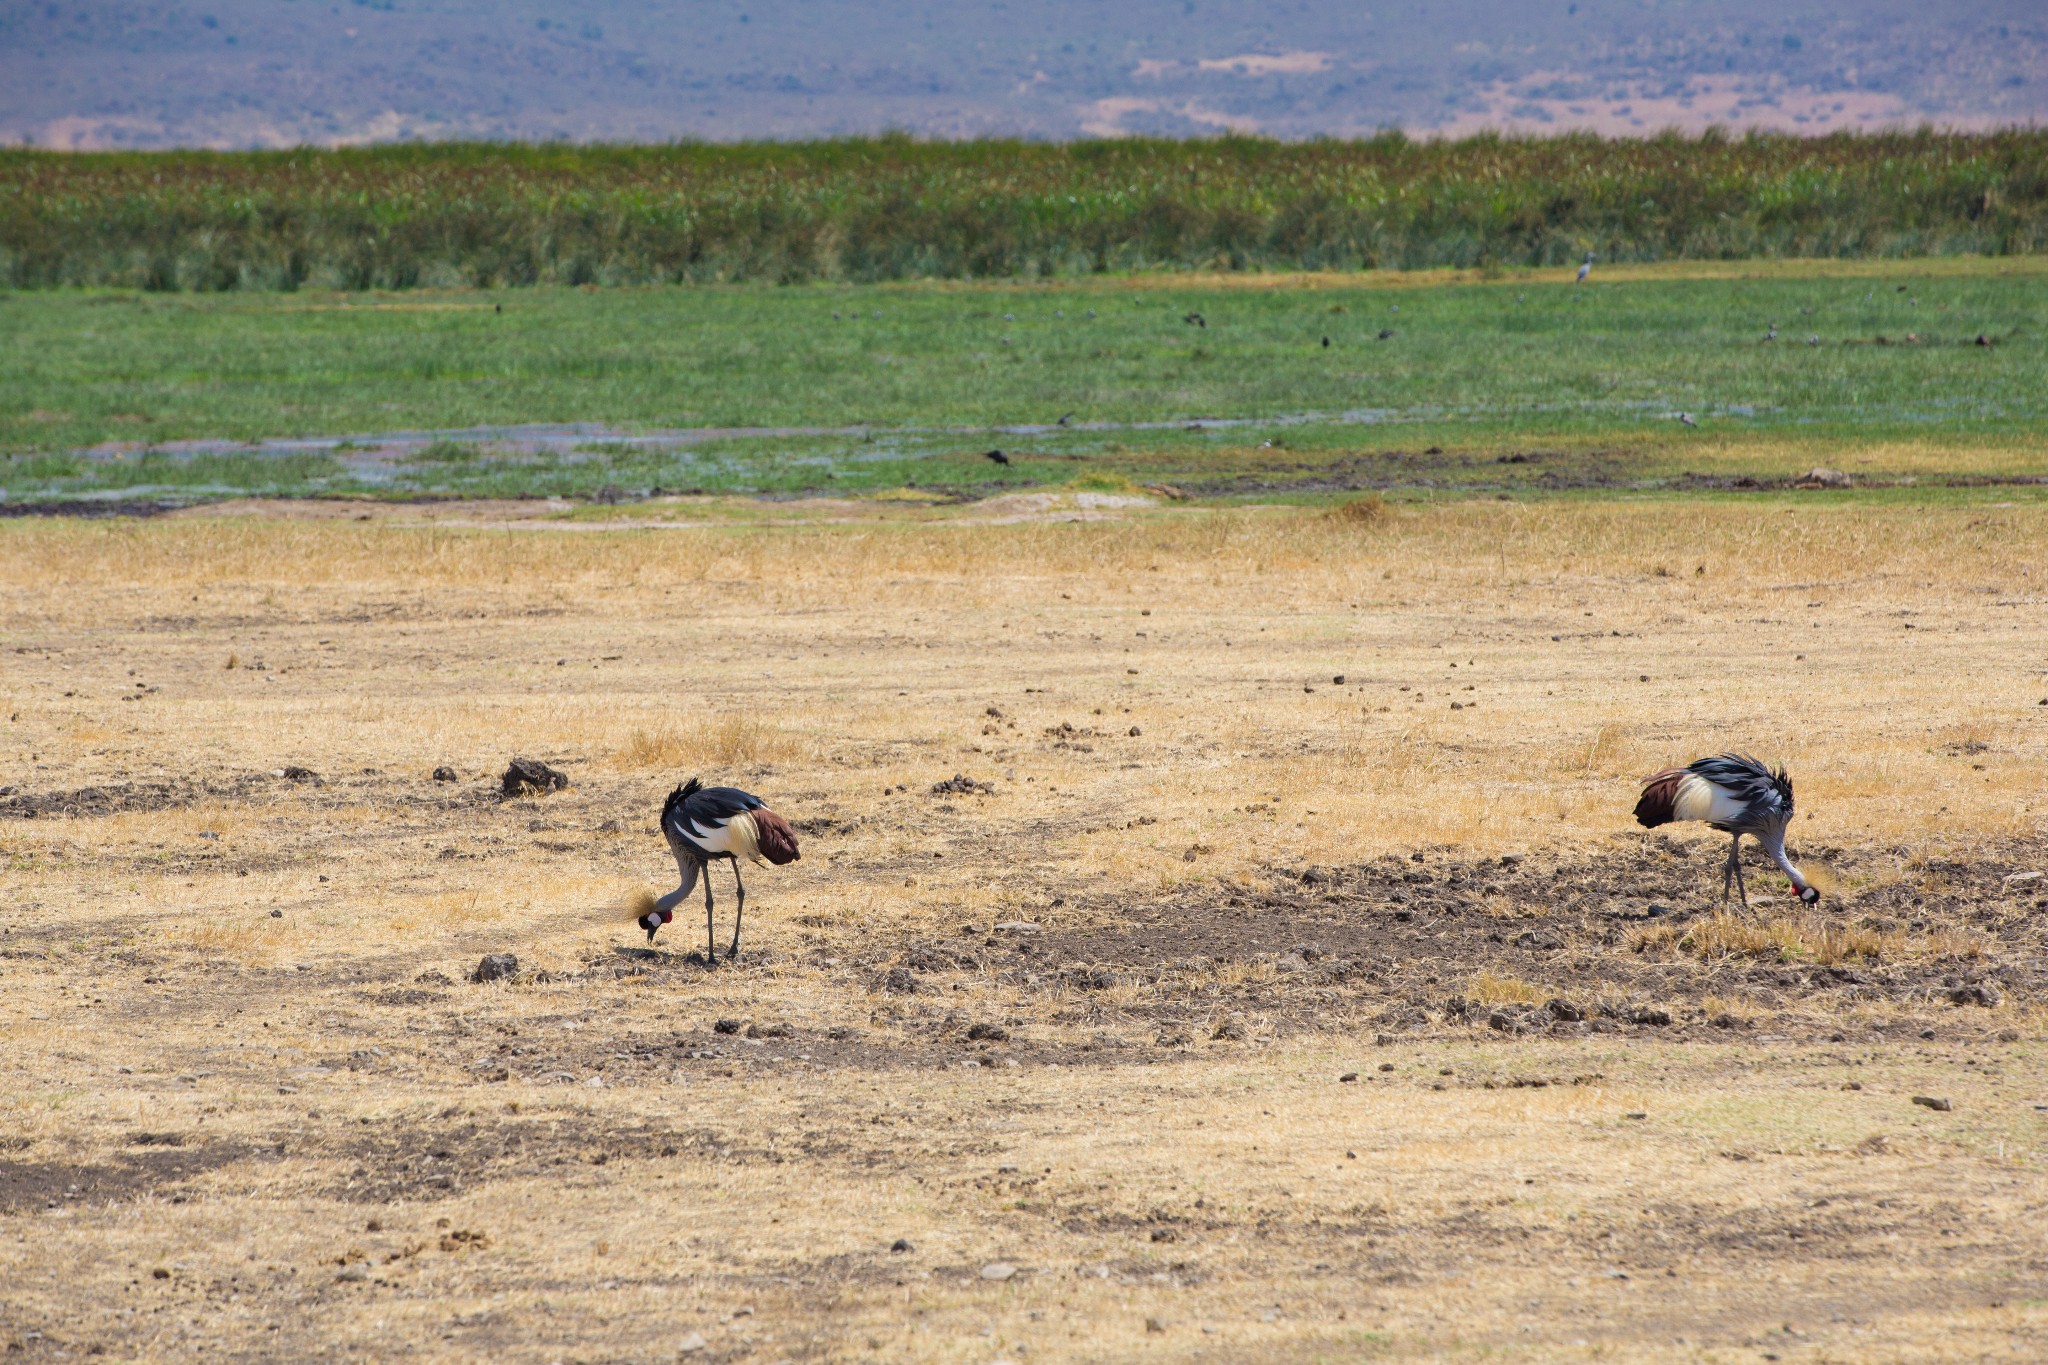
[892, 208]
[1222, 390]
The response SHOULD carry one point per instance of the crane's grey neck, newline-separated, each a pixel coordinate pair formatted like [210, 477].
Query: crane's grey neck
[1774, 846]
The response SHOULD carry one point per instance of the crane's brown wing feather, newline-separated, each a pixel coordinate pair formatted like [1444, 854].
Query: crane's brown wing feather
[776, 838]
[1660, 796]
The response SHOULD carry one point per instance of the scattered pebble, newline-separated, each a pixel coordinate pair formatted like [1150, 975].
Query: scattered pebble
[998, 1270]
[495, 967]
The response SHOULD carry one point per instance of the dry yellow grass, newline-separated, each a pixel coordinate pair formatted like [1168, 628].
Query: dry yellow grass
[239, 1095]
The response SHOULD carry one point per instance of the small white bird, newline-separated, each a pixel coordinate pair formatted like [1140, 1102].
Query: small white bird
[1772, 335]
[1585, 269]
[1685, 419]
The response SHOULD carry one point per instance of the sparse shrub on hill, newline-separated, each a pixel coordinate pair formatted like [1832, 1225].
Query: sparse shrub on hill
[894, 208]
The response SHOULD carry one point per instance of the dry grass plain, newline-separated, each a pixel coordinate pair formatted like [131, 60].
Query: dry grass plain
[1275, 1080]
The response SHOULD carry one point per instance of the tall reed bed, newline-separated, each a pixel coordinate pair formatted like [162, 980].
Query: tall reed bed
[896, 208]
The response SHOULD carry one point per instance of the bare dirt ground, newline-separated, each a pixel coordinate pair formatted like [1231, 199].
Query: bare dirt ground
[1227, 1011]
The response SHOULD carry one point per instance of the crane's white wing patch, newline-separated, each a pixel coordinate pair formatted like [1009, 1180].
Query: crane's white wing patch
[736, 836]
[1699, 799]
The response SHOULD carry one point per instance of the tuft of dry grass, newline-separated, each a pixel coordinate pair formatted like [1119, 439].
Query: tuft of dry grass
[1493, 989]
[736, 739]
[1814, 937]
[1369, 510]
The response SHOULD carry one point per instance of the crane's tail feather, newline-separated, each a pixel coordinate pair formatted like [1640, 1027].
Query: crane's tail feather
[1658, 804]
[775, 838]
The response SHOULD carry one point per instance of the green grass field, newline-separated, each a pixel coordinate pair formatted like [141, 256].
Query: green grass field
[844, 388]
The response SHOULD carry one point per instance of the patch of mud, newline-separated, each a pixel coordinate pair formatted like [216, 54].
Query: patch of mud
[158, 1168]
[122, 798]
[88, 509]
[422, 1161]
[1387, 471]
[1623, 942]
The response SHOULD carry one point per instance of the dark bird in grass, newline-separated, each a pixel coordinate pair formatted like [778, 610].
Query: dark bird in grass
[1772, 335]
[703, 824]
[1195, 320]
[1736, 795]
[996, 456]
[1326, 343]
[1064, 419]
[1685, 419]
[1386, 334]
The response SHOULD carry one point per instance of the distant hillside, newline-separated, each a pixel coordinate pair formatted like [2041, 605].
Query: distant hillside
[253, 73]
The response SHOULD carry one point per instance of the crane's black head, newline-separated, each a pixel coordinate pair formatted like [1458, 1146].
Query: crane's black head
[653, 920]
[1810, 895]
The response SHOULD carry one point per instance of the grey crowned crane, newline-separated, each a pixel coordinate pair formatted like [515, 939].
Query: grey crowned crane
[705, 823]
[1585, 269]
[1736, 795]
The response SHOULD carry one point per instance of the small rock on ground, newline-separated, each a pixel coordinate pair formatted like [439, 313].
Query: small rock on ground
[495, 967]
[530, 774]
[998, 1270]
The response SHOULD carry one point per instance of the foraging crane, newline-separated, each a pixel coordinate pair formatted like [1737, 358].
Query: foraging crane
[704, 823]
[1585, 269]
[1736, 795]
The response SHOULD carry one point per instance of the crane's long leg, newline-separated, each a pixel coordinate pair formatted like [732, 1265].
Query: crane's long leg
[1735, 862]
[710, 933]
[738, 914]
[1732, 870]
